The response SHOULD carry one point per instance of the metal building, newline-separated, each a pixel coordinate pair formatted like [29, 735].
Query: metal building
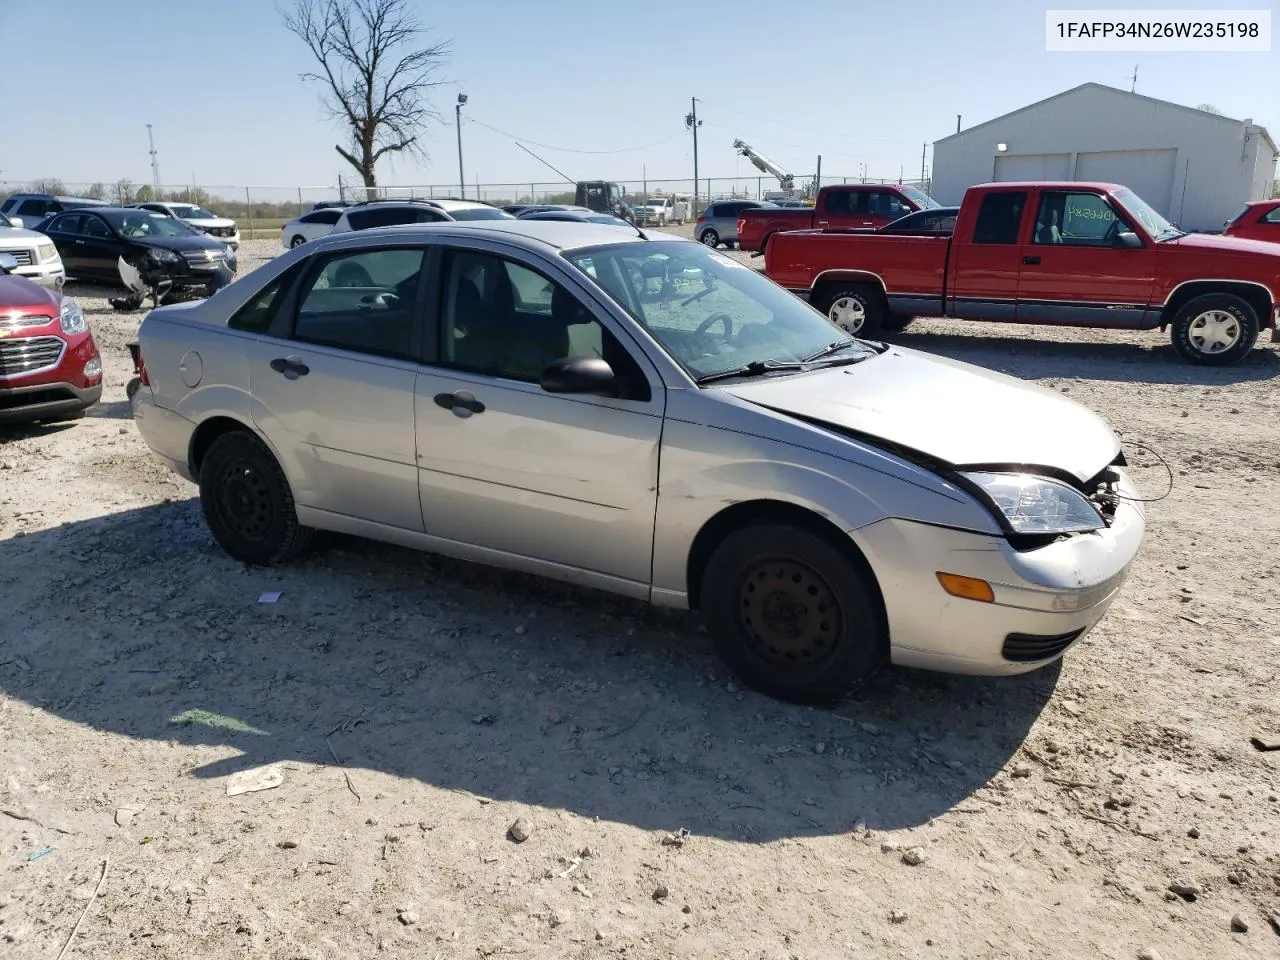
[1195, 167]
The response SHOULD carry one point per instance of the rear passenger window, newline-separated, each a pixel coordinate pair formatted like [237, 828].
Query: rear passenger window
[1273, 216]
[999, 217]
[256, 315]
[363, 302]
[845, 201]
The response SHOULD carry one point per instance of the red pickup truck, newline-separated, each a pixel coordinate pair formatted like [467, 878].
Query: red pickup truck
[1074, 254]
[848, 205]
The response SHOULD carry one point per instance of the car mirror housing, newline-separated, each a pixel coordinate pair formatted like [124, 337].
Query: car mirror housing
[1128, 240]
[579, 375]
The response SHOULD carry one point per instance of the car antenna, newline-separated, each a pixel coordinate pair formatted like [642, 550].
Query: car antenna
[639, 231]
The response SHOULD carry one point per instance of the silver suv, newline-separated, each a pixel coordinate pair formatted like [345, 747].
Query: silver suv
[28, 209]
[392, 213]
[718, 223]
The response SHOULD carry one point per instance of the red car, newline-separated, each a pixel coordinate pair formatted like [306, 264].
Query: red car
[1063, 253]
[847, 205]
[1259, 220]
[49, 365]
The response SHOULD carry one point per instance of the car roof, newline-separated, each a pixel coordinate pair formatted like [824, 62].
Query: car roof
[1051, 185]
[533, 234]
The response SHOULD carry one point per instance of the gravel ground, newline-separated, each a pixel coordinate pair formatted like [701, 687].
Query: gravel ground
[413, 709]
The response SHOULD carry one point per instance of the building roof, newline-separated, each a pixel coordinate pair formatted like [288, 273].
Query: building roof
[1115, 90]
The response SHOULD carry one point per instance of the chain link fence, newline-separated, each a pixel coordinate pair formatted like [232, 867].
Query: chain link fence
[260, 210]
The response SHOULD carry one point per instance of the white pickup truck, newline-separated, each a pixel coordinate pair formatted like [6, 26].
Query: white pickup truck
[660, 211]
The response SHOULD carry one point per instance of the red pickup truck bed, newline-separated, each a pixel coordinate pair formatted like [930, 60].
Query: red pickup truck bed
[1068, 253]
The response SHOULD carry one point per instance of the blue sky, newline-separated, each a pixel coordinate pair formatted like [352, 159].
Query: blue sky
[860, 81]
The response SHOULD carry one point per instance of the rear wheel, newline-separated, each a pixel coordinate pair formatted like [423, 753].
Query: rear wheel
[710, 238]
[247, 501]
[297, 241]
[791, 614]
[1215, 329]
[857, 309]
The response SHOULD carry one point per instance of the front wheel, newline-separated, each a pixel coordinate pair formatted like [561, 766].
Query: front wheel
[1214, 329]
[792, 615]
[247, 501]
[710, 238]
[858, 310]
[297, 242]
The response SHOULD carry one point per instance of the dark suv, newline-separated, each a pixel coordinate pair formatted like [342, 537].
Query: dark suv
[718, 223]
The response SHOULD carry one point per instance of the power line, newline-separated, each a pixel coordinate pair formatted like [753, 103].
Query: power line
[800, 126]
[547, 146]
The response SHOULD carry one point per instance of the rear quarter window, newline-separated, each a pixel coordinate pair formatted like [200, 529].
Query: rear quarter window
[999, 217]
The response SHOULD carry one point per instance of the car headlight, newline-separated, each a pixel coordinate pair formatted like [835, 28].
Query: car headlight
[1031, 504]
[71, 317]
[46, 252]
[160, 255]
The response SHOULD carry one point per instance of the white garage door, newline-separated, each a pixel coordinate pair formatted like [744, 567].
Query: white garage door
[1148, 173]
[1033, 166]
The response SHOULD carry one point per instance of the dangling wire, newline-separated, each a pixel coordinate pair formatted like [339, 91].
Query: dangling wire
[1133, 444]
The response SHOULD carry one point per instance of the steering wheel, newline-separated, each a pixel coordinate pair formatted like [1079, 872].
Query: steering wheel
[707, 324]
[1113, 229]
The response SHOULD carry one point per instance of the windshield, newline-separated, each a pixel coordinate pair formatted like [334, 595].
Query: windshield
[193, 213]
[922, 199]
[653, 202]
[480, 213]
[1156, 225]
[147, 224]
[709, 312]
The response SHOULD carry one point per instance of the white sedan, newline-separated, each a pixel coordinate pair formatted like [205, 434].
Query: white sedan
[645, 415]
[311, 225]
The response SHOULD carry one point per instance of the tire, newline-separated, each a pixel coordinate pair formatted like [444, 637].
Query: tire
[731, 244]
[297, 241]
[132, 387]
[247, 502]
[857, 309]
[710, 238]
[776, 641]
[1214, 329]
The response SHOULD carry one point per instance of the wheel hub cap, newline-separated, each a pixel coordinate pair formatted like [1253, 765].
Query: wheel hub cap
[1215, 331]
[789, 613]
[848, 314]
[245, 502]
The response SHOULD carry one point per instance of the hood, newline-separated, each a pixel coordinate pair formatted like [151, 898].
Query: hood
[209, 222]
[181, 244]
[17, 238]
[20, 295]
[949, 410]
[1218, 244]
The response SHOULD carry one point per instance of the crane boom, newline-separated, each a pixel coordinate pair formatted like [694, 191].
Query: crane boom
[765, 165]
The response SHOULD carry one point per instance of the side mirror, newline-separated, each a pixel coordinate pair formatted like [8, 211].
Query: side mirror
[8, 262]
[579, 375]
[1127, 240]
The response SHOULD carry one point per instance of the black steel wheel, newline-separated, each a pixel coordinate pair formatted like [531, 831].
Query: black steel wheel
[792, 613]
[247, 501]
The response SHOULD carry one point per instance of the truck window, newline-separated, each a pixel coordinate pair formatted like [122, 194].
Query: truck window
[1076, 219]
[845, 201]
[999, 217]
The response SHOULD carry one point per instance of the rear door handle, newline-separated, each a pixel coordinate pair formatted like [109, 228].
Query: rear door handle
[461, 402]
[292, 369]
[1031, 261]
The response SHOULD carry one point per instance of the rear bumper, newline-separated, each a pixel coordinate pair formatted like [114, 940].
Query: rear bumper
[45, 401]
[1046, 600]
[166, 433]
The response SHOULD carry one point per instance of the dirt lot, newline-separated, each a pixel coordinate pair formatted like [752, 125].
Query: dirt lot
[416, 707]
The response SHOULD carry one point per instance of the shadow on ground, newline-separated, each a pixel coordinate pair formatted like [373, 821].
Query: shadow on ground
[1138, 361]
[465, 678]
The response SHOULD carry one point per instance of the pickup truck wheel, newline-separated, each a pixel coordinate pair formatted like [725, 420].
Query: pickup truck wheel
[710, 238]
[791, 615]
[1214, 329]
[857, 310]
[247, 501]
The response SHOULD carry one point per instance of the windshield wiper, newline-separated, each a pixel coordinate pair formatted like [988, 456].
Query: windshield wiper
[756, 368]
[831, 348]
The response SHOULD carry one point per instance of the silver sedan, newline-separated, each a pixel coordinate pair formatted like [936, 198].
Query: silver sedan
[642, 414]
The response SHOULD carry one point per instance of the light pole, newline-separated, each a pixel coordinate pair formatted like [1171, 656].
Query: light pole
[462, 179]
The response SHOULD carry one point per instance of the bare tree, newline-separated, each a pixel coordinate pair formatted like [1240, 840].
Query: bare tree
[1209, 108]
[377, 74]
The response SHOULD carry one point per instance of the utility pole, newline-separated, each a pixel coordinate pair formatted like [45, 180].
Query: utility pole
[692, 122]
[1133, 87]
[957, 123]
[155, 165]
[817, 177]
[457, 112]
[923, 148]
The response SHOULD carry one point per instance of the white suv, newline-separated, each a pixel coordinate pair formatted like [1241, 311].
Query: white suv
[391, 213]
[220, 228]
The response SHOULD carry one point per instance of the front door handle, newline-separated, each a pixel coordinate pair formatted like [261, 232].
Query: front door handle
[292, 369]
[1031, 261]
[824, 223]
[462, 402]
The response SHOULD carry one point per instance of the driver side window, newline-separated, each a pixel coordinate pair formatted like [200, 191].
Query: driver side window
[363, 302]
[93, 227]
[1076, 219]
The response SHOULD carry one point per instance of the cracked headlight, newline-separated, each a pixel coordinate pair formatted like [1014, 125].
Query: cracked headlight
[1031, 504]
